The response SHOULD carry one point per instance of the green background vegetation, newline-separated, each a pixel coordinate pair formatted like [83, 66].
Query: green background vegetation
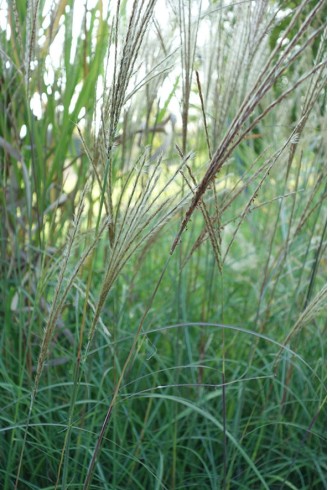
[141, 349]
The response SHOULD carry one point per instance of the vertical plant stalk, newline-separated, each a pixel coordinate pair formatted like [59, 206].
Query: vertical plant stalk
[130, 236]
[305, 437]
[214, 241]
[56, 308]
[224, 419]
[102, 433]
[204, 115]
[32, 12]
[137, 27]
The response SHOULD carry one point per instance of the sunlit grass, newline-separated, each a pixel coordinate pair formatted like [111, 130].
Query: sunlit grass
[163, 245]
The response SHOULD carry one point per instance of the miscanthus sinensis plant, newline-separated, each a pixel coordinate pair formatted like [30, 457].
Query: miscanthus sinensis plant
[162, 240]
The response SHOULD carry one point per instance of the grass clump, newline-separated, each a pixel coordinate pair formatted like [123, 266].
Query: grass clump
[162, 245]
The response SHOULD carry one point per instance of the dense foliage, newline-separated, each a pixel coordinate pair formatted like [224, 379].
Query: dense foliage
[163, 242]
